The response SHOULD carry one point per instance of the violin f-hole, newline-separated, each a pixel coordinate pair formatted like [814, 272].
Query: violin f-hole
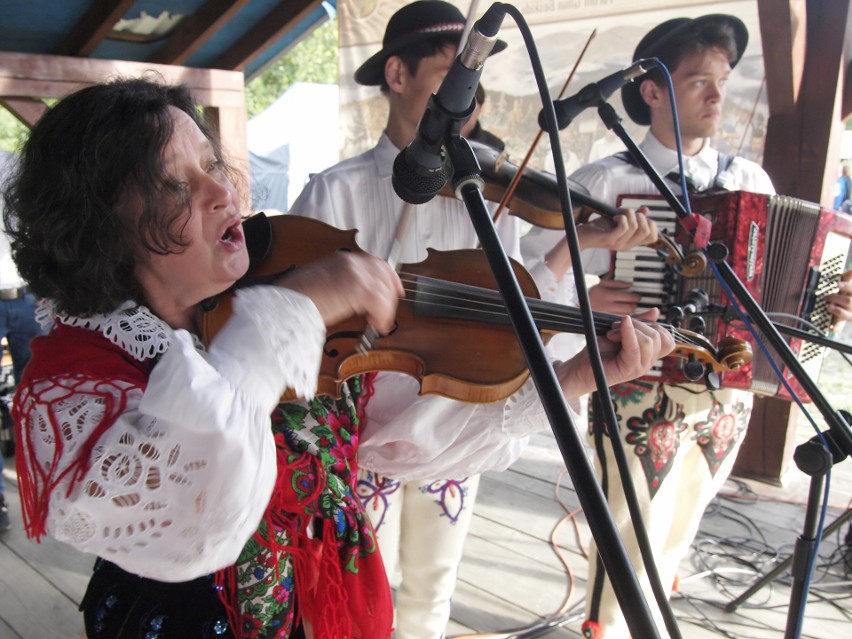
[331, 351]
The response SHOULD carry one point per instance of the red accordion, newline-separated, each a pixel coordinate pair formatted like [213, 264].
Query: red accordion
[789, 254]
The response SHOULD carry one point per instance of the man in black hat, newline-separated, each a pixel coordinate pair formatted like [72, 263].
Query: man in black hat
[681, 441]
[411, 440]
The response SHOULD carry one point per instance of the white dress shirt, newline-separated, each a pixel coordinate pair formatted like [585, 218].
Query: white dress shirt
[611, 177]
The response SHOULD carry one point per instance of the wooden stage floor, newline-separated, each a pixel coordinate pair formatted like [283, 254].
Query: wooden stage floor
[511, 577]
[512, 583]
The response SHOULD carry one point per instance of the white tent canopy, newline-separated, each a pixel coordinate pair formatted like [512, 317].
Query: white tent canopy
[293, 138]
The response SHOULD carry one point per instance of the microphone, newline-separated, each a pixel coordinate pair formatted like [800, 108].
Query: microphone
[595, 93]
[422, 169]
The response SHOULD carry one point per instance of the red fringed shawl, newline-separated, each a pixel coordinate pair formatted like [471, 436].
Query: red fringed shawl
[337, 575]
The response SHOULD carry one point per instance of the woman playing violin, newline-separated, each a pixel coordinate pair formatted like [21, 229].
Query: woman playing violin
[138, 445]
[157, 454]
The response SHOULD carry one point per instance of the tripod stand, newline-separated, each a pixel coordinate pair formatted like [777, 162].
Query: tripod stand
[814, 459]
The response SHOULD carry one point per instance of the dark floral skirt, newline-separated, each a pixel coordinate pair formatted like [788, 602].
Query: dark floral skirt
[121, 605]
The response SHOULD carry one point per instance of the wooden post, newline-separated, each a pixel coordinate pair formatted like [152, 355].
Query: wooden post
[805, 86]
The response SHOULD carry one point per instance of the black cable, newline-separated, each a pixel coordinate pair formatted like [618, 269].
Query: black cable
[627, 587]
[714, 555]
[660, 594]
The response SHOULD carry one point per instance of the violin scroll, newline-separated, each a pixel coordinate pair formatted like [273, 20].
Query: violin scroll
[734, 353]
[703, 361]
[693, 263]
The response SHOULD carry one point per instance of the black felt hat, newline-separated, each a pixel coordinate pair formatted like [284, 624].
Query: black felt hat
[662, 36]
[414, 22]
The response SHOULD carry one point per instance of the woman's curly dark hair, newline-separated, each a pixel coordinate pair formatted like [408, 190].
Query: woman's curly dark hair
[90, 191]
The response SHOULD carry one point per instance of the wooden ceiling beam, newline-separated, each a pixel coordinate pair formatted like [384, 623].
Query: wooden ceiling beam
[27, 110]
[94, 27]
[782, 32]
[27, 75]
[270, 28]
[196, 30]
[803, 134]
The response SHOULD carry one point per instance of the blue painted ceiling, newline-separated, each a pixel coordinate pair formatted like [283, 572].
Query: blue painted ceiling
[256, 33]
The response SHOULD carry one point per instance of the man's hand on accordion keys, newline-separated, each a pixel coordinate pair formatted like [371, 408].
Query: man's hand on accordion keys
[623, 232]
[840, 303]
[613, 296]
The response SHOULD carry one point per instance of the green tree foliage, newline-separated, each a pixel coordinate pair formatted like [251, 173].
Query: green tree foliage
[314, 59]
[12, 132]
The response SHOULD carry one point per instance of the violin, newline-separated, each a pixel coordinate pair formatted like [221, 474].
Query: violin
[536, 200]
[452, 331]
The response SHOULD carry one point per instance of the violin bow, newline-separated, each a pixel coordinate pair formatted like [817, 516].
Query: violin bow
[510, 190]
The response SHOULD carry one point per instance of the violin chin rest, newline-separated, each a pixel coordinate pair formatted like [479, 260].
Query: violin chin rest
[258, 233]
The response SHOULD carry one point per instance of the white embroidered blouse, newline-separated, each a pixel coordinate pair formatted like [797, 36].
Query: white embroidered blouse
[180, 481]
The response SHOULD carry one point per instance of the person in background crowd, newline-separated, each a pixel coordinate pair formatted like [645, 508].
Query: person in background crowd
[17, 320]
[843, 188]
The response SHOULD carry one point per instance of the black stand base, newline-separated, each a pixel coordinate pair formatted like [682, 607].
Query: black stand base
[815, 459]
[781, 568]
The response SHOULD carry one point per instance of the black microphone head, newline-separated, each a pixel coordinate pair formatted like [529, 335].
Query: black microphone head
[566, 110]
[414, 184]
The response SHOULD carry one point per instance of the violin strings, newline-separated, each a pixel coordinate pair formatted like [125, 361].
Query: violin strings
[488, 302]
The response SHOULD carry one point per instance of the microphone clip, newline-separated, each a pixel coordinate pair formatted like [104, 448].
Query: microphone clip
[465, 169]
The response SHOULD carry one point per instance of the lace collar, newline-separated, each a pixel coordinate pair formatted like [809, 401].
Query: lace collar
[132, 327]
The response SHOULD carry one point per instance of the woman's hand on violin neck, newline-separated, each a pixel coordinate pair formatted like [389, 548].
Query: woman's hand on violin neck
[628, 351]
[623, 232]
[631, 347]
[346, 284]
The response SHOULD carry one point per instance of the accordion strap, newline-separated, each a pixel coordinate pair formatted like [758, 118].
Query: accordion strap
[724, 162]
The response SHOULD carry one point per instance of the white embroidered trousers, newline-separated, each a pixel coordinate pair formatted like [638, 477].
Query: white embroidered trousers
[420, 527]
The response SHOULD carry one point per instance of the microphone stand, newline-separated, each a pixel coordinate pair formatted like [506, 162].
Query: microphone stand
[468, 185]
[839, 434]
